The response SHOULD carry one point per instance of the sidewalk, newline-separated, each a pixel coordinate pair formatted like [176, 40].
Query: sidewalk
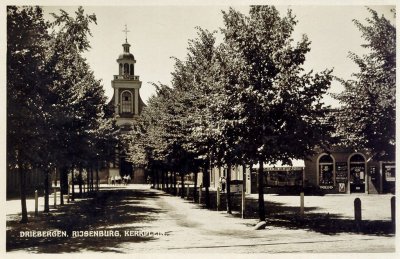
[374, 206]
[183, 226]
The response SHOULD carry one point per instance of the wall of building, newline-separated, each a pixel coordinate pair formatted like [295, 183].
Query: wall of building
[374, 179]
[34, 181]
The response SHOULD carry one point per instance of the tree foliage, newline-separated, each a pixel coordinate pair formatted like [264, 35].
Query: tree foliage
[244, 101]
[56, 109]
[367, 116]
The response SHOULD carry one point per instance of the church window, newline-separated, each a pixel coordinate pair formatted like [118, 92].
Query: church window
[126, 102]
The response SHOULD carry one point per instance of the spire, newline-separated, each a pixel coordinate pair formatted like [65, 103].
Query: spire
[126, 34]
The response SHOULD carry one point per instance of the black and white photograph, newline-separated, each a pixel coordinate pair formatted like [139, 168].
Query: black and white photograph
[226, 129]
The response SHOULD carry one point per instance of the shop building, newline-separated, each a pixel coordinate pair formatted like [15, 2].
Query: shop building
[341, 171]
[347, 171]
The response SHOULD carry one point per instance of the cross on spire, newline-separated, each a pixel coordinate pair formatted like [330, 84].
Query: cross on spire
[126, 33]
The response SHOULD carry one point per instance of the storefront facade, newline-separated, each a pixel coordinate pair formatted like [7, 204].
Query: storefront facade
[346, 171]
[341, 171]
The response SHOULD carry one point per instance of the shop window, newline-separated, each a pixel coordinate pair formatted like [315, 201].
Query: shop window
[389, 177]
[283, 177]
[325, 170]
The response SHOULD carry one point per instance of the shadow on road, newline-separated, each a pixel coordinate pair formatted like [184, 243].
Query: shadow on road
[280, 215]
[109, 210]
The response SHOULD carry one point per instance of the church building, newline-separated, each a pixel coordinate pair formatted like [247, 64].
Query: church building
[127, 105]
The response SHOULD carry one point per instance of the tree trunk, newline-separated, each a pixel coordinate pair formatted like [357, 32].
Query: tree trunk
[91, 179]
[175, 191]
[80, 178]
[153, 178]
[243, 207]
[228, 190]
[46, 190]
[206, 185]
[167, 181]
[87, 181]
[195, 186]
[55, 176]
[63, 183]
[261, 206]
[182, 185]
[157, 178]
[162, 180]
[22, 185]
[97, 178]
[73, 185]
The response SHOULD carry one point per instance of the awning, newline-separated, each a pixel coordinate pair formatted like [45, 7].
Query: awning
[295, 163]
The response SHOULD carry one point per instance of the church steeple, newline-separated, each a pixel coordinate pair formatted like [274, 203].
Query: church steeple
[126, 60]
[126, 84]
[128, 106]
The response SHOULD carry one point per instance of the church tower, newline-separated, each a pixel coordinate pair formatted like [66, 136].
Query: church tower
[127, 106]
[126, 85]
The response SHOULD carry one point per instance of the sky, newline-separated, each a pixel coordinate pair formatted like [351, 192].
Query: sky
[157, 33]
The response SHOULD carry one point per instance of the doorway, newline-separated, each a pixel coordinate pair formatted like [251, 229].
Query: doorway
[357, 173]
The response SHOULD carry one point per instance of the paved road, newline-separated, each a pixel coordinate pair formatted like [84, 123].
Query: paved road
[149, 220]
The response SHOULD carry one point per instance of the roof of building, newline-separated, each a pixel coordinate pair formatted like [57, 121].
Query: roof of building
[126, 56]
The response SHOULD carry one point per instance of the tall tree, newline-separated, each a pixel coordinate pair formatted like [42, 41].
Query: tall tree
[193, 78]
[26, 50]
[368, 116]
[77, 97]
[272, 109]
[55, 107]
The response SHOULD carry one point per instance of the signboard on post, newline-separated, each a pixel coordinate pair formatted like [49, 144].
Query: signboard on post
[236, 186]
[342, 187]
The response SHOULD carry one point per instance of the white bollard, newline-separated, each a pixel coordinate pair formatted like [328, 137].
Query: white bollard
[302, 204]
[243, 201]
[200, 191]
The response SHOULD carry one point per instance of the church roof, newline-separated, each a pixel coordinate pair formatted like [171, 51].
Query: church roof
[126, 56]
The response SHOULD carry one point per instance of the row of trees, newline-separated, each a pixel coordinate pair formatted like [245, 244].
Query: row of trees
[244, 101]
[248, 100]
[56, 110]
